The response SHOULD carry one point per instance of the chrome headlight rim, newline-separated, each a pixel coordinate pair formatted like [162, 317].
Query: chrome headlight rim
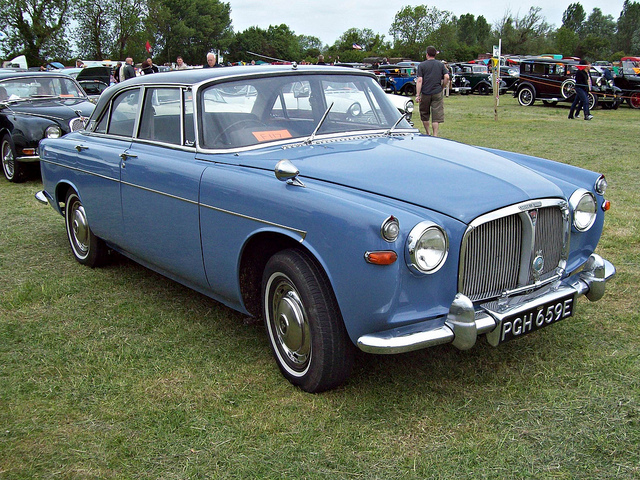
[53, 131]
[601, 185]
[409, 106]
[414, 252]
[390, 229]
[584, 209]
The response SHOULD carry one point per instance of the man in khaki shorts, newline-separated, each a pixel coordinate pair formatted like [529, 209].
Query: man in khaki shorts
[432, 75]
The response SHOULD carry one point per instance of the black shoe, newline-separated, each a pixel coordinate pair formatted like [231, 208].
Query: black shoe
[570, 117]
[588, 117]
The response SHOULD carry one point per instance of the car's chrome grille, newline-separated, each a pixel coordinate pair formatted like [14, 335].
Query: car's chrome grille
[77, 123]
[548, 241]
[499, 251]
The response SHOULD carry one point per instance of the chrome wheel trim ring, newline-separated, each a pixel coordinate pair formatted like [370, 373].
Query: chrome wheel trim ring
[8, 162]
[78, 229]
[287, 324]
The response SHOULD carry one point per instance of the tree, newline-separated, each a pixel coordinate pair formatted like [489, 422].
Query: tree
[34, 27]
[189, 29]
[526, 35]
[310, 46]
[573, 18]
[412, 26]
[127, 17]
[628, 35]
[94, 29]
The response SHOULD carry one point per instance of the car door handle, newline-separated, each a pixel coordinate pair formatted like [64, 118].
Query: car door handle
[81, 147]
[124, 156]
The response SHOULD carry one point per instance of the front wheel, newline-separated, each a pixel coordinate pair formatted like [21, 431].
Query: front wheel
[13, 170]
[593, 101]
[88, 249]
[526, 97]
[303, 322]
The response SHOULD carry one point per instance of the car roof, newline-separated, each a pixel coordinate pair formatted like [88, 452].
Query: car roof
[199, 75]
[13, 74]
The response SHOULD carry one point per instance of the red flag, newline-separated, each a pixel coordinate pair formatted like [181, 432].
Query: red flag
[148, 46]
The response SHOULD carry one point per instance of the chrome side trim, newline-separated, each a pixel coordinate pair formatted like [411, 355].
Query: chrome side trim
[302, 233]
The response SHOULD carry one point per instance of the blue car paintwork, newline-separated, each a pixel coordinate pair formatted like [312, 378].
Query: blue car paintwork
[197, 215]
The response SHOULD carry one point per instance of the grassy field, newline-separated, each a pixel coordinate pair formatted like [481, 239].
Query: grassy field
[120, 373]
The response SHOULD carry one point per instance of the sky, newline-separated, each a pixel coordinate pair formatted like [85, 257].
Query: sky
[328, 20]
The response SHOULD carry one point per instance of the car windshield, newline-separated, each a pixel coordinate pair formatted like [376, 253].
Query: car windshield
[21, 88]
[258, 110]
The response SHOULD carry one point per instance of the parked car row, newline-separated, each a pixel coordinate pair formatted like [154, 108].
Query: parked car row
[302, 196]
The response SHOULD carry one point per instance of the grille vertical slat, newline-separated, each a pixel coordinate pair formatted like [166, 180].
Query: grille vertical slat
[493, 255]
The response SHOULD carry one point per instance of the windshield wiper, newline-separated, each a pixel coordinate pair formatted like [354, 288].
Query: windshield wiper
[390, 131]
[313, 135]
[44, 96]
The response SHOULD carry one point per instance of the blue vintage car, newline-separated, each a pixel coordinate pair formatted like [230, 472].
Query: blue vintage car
[301, 195]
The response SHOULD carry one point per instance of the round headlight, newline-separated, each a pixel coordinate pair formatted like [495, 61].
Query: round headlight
[427, 247]
[53, 131]
[408, 107]
[583, 205]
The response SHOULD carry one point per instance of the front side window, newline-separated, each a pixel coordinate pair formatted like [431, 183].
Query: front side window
[261, 110]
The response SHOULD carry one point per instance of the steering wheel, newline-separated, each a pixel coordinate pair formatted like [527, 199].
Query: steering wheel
[223, 133]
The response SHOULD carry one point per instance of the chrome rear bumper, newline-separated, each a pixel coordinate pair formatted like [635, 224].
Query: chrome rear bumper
[464, 323]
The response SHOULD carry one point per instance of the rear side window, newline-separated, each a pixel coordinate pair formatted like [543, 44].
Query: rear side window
[161, 112]
[124, 111]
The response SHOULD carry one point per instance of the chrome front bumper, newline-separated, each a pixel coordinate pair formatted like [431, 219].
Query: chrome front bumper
[28, 159]
[464, 323]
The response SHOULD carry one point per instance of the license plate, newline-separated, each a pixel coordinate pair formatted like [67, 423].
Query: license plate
[535, 318]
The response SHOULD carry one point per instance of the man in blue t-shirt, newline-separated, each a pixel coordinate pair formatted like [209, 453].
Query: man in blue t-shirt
[432, 75]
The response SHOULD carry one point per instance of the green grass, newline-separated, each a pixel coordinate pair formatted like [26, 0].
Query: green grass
[120, 373]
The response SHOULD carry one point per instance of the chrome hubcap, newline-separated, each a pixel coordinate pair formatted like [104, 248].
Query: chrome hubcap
[289, 325]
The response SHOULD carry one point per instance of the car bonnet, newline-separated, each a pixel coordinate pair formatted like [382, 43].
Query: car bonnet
[445, 176]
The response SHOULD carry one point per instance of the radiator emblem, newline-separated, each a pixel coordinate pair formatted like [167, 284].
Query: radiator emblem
[538, 265]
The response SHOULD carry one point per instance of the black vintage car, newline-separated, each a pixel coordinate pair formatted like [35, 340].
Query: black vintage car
[552, 81]
[33, 106]
[478, 75]
[628, 80]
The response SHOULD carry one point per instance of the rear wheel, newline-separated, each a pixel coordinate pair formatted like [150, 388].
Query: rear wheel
[409, 90]
[483, 89]
[526, 97]
[13, 170]
[303, 322]
[634, 100]
[88, 249]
